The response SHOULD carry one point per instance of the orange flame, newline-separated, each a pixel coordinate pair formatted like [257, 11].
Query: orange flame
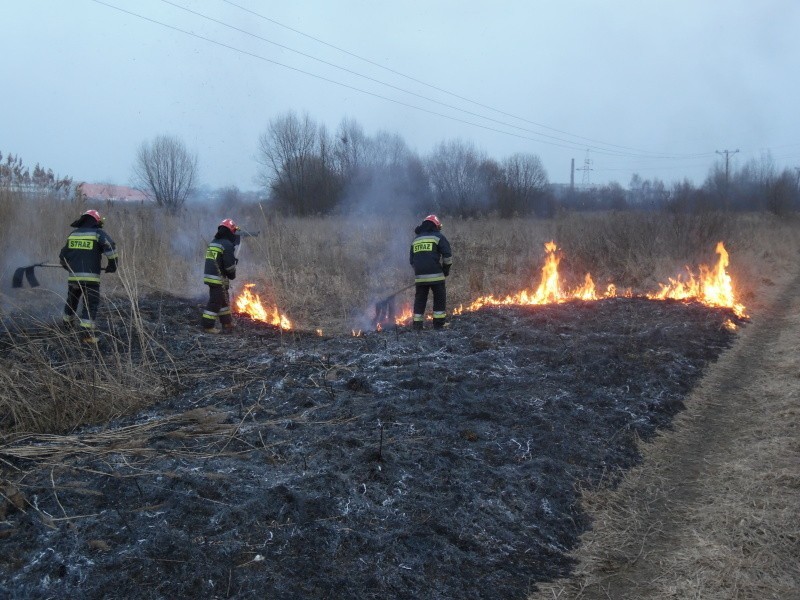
[713, 287]
[405, 316]
[549, 290]
[250, 304]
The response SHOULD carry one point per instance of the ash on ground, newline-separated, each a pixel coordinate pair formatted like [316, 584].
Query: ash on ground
[439, 465]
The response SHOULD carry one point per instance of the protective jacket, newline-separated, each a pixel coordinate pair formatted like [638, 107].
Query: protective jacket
[82, 253]
[220, 262]
[430, 254]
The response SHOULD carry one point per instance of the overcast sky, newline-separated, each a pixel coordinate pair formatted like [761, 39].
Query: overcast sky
[653, 87]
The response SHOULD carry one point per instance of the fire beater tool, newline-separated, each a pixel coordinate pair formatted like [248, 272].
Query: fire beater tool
[385, 310]
[30, 275]
[16, 280]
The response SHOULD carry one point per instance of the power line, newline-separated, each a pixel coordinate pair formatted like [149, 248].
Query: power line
[339, 83]
[643, 153]
[571, 145]
[455, 95]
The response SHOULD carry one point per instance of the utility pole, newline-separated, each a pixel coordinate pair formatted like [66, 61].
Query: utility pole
[572, 177]
[587, 166]
[728, 154]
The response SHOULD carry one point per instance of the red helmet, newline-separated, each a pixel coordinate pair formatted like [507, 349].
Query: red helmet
[230, 225]
[433, 219]
[94, 214]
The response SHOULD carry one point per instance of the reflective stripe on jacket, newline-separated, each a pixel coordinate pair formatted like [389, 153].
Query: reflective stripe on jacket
[82, 253]
[220, 264]
[429, 251]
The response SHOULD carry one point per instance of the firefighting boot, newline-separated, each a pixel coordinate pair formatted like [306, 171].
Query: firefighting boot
[438, 323]
[228, 328]
[211, 330]
[416, 326]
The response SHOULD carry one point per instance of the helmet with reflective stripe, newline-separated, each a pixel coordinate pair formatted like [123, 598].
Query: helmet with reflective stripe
[95, 215]
[230, 225]
[433, 219]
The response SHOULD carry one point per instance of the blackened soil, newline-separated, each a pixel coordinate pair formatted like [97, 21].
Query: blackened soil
[435, 465]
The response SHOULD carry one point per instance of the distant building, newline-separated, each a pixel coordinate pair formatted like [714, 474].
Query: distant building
[101, 192]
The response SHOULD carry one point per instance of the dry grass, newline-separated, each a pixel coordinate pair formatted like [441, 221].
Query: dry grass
[51, 382]
[327, 272]
[712, 511]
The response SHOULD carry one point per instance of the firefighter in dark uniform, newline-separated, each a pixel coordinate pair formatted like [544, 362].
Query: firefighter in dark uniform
[81, 256]
[220, 268]
[431, 258]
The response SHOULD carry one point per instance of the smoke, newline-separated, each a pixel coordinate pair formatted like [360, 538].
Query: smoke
[31, 232]
[381, 198]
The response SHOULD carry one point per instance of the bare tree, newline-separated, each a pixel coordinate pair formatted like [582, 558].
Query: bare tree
[296, 165]
[523, 187]
[350, 149]
[167, 170]
[459, 177]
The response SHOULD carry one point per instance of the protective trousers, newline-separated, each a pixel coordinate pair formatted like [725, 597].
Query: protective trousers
[90, 292]
[439, 304]
[218, 307]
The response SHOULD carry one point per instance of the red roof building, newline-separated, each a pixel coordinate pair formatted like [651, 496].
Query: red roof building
[101, 192]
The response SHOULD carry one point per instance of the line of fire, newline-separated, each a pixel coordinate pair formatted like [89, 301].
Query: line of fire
[711, 286]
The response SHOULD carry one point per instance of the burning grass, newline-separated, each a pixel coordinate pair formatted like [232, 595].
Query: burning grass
[712, 287]
[712, 511]
[439, 465]
[313, 417]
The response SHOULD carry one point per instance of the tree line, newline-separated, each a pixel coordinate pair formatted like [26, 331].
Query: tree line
[758, 185]
[16, 176]
[306, 170]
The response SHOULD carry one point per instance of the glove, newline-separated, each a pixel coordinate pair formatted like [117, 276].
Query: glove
[111, 267]
[446, 270]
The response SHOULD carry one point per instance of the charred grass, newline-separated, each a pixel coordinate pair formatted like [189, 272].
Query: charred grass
[439, 465]
[712, 510]
[256, 446]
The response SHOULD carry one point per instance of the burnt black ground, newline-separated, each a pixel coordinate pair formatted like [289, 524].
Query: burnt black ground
[437, 465]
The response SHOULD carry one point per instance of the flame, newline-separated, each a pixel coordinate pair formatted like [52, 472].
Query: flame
[712, 286]
[250, 304]
[405, 316]
[319, 332]
[356, 333]
[549, 290]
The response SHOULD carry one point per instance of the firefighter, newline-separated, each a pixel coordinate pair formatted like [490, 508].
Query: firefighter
[81, 256]
[431, 258]
[220, 268]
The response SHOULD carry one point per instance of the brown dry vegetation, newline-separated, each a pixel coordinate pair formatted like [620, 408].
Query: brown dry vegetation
[712, 510]
[348, 262]
[325, 272]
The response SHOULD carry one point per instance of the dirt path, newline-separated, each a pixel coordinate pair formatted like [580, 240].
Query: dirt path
[712, 512]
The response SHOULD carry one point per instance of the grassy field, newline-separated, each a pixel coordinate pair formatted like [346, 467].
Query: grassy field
[326, 273]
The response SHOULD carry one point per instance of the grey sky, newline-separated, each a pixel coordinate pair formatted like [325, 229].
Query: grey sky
[85, 84]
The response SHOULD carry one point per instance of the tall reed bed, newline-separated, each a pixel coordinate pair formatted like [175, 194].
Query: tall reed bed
[324, 272]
